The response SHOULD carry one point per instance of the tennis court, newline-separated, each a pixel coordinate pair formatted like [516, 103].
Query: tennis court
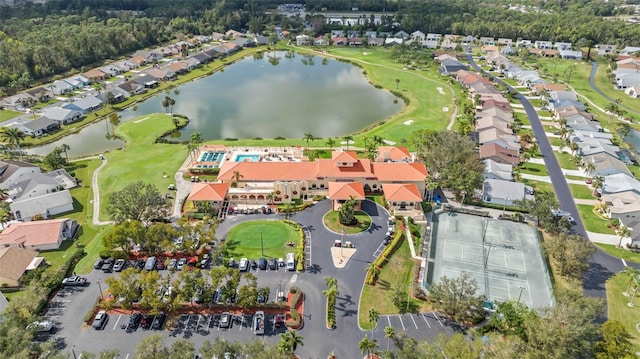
[504, 257]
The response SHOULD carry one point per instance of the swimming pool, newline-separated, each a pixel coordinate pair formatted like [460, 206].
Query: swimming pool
[211, 156]
[247, 158]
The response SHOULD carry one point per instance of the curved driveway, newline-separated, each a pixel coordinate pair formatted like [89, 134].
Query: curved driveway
[601, 265]
[594, 69]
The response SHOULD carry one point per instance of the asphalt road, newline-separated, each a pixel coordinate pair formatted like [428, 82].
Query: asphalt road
[601, 265]
[592, 83]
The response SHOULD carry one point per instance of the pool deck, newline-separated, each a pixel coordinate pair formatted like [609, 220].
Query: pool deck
[231, 154]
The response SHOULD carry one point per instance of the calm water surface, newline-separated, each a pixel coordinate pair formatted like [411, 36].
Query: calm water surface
[260, 97]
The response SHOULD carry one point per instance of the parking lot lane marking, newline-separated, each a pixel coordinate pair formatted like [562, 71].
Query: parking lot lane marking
[210, 320]
[438, 319]
[80, 357]
[402, 323]
[425, 320]
[414, 321]
[127, 357]
[198, 322]
[389, 320]
[117, 321]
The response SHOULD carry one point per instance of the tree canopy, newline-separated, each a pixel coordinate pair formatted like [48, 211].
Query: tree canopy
[139, 201]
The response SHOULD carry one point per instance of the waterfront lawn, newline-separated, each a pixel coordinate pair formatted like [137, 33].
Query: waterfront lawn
[7, 115]
[142, 159]
[396, 274]
[581, 191]
[246, 239]
[592, 222]
[617, 308]
[625, 254]
[331, 221]
[534, 169]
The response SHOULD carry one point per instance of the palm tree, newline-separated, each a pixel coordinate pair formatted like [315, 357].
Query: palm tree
[166, 102]
[373, 319]
[368, 345]
[236, 178]
[378, 140]
[270, 197]
[589, 167]
[597, 183]
[331, 282]
[397, 83]
[287, 209]
[623, 232]
[14, 136]
[389, 332]
[64, 147]
[5, 216]
[292, 341]
[308, 136]
[348, 139]
[374, 269]
[331, 142]
[172, 102]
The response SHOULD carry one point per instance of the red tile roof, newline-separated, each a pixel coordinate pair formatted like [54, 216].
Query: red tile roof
[401, 192]
[346, 190]
[498, 153]
[399, 171]
[269, 171]
[344, 156]
[208, 192]
[393, 153]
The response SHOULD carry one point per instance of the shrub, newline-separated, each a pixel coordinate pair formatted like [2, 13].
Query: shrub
[230, 139]
[279, 138]
[294, 321]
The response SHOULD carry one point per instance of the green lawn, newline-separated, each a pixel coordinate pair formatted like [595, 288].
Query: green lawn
[534, 169]
[331, 221]
[556, 141]
[377, 198]
[142, 159]
[617, 306]
[592, 222]
[566, 161]
[625, 254]
[581, 191]
[7, 115]
[539, 185]
[245, 240]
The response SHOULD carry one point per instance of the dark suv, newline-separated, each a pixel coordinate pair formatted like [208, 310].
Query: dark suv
[262, 263]
[134, 322]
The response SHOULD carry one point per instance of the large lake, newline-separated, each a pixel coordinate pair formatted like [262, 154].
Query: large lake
[259, 97]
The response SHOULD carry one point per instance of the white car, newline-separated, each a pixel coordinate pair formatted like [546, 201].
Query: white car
[41, 326]
[244, 265]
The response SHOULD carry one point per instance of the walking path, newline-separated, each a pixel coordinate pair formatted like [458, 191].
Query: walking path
[591, 202]
[183, 188]
[96, 195]
[546, 179]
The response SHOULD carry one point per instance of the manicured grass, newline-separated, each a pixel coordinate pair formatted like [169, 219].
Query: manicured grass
[556, 141]
[618, 309]
[539, 186]
[244, 240]
[577, 178]
[581, 191]
[396, 274]
[566, 161]
[377, 198]
[142, 159]
[592, 222]
[331, 221]
[6, 115]
[625, 254]
[534, 169]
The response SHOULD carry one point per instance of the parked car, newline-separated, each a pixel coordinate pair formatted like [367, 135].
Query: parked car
[232, 263]
[278, 320]
[244, 265]
[107, 266]
[119, 266]
[134, 322]
[100, 320]
[140, 263]
[254, 264]
[205, 260]
[41, 326]
[75, 281]
[386, 240]
[98, 263]
[181, 263]
[280, 262]
[262, 263]
[146, 322]
[272, 264]
[158, 321]
[160, 265]
[173, 263]
[225, 320]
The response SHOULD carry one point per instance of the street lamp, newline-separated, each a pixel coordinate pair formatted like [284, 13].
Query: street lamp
[261, 244]
[100, 289]
[408, 297]
[486, 258]
[520, 295]
[73, 351]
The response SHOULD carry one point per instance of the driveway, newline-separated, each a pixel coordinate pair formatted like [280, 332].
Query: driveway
[601, 265]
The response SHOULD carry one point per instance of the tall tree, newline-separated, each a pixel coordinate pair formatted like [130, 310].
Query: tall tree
[14, 137]
[457, 297]
[331, 142]
[308, 136]
[152, 347]
[138, 201]
[570, 253]
[348, 139]
[367, 345]
[615, 342]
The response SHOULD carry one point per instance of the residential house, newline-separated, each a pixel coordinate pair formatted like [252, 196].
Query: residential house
[38, 195]
[497, 111]
[261, 40]
[468, 40]
[508, 51]
[391, 41]
[148, 56]
[625, 80]
[39, 127]
[555, 96]
[591, 146]
[563, 103]
[489, 122]
[303, 39]
[341, 192]
[433, 37]
[229, 47]
[111, 70]
[41, 94]
[201, 58]
[77, 81]
[505, 42]
[505, 192]
[450, 66]
[497, 171]
[429, 44]
[543, 45]
[402, 199]
[605, 49]
[448, 45]
[14, 263]
[126, 65]
[161, 74]
[620, 182]
[212, 52]
[138, 60]
[340, 41]
[96, 75]
[131, 88]
[221, 37]
[13, 171]
[578, 135]
[544, 52]
[401, 34]
[561, 46]
[629, 50]
[244, 42]
[571, 54]
[495, 135]
[319, 41]
[338, 33]
[487, 41]
[177, 68]
[499, 154]
[39, 235]
[354, 33]
[370, 34]
[376, 41]
[418, 35]
[580, 122]
[62, 115]
[624, 206]
[604, 164]
[233, 34]
[485, 49]
[524, 44]
[355, 41]
[60, 87]
[633, 91]
[572, 111]
[17, 102]
[539, 89]
[84, 104]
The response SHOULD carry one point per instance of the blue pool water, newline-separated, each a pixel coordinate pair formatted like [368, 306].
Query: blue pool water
[211, 157]
[253, 158]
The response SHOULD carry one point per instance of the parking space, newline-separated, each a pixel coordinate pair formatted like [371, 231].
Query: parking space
[428, 324]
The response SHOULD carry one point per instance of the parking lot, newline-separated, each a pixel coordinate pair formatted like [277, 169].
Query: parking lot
[417, 325]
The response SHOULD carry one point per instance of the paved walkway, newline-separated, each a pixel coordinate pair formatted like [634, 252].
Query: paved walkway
[606, 238]
[183, 188]
[591, 202]
[96, 195]
[546, 179]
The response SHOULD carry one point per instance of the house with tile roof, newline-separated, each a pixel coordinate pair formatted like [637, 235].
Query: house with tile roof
[15, 262]
[393, 154]
[402, 199]
[39, 235]
[340, 192]
[212, 193]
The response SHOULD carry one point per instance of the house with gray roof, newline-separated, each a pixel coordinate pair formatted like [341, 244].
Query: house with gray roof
[605, 164]
[562, 45]
[571, 54]
[84, 104]
[147, 81]
[38, 194]
[17, 101]
[131, 88]
[261, 40]
[604, 49]
[543, 45]
[60, 87]
[562, 103]
[40, 126]
[497, 171]
[450, 66]
[401, 34]
[627, 79]
[62, 115]
[111, 70]
[13, 171]
[505, 192]
[592, 146]
[579, 122]
[202, 57]
[125, 65]
[629, 50]
[419, 35]
[429, 44]
[620, 182]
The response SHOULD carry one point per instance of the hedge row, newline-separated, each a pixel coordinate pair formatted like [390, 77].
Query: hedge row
[382, 258]
[295, 320]
[300, 253]
[331, 312]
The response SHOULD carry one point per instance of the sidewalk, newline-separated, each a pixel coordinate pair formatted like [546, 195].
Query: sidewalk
[606, 238]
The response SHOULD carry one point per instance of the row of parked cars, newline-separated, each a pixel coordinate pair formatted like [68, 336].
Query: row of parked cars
[145, 322]
[263, 210]
[262, 263]
[151, 263]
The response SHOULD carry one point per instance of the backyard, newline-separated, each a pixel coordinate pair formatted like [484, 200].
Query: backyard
[248, 239]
